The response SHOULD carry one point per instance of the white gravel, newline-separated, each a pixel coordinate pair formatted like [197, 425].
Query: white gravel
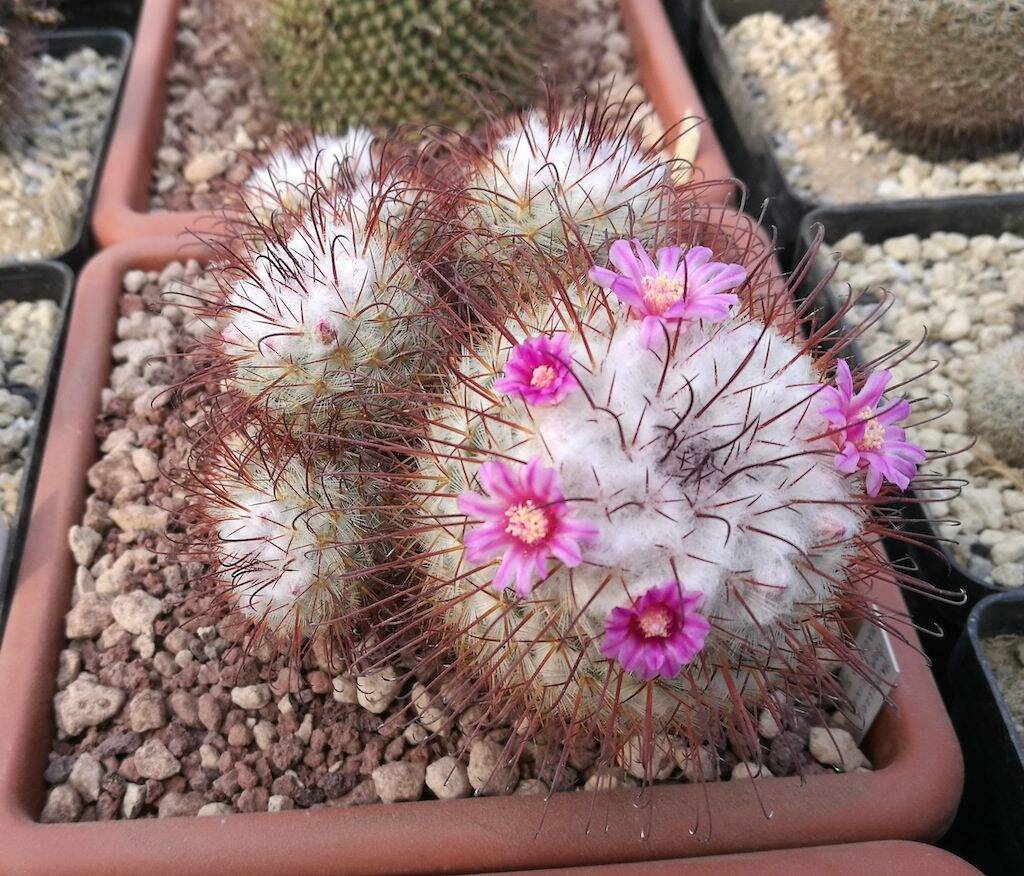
[824, 150]
[43, 178]
[969, 293]
[26, 336]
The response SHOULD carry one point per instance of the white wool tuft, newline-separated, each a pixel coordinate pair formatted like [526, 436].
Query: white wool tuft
[535, 182]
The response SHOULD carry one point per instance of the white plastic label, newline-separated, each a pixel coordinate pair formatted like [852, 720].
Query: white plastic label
[865, 696]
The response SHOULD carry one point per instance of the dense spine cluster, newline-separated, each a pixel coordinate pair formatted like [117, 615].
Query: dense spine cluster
[937, 76]
[996, 402]
[361, 62]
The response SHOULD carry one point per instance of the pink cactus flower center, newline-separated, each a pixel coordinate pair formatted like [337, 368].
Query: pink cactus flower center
[543, 376]
[660, 292]
[527, 522]
[874, 432]
[655, 622]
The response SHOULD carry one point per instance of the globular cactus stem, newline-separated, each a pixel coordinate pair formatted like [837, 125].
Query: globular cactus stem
[362, 62]
[938, 76]
[640, 510]
[290, 545]
[995, 406]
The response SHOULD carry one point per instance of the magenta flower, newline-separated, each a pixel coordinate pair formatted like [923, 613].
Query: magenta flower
[539, 371]
[657, 634]
[525, 520]
[868, 437]
[678, 288]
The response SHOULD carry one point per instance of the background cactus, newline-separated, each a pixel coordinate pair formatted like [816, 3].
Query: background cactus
[996, 402]
[337, 63]
[18, 19]
[935, 75]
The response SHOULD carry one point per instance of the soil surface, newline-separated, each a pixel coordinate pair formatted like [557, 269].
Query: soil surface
[164, 710]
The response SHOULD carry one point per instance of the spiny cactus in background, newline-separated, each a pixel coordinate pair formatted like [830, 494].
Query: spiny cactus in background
[937, 76]
[641, 506]
[322, 304]
[570, 178]
[337, 63]
[18, 19]
[289, 541]
[995, 406]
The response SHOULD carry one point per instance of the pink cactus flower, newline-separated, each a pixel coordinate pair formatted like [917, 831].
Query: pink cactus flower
[526, 520]
[658, 634]
[539, 371]
[868, 437]
[679, 288]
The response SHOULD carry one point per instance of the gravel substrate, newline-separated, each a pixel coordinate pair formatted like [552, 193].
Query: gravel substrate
[969, 293]
[219, 119]
[162, 710]
[26, 339]
[825, 151]
[1005, 654]
[45, 174]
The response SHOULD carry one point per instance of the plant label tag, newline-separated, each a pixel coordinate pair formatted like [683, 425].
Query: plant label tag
[866, 696]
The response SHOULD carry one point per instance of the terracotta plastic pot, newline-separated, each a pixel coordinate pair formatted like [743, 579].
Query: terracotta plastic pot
[904, 858]
[912, 794]
[122, 206]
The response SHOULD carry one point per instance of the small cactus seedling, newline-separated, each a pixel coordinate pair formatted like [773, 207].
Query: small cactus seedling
[18, 19]
[641, 506]
[938, 76]
[996, 402]
[322, 309]
[362, 62]
[289, 542]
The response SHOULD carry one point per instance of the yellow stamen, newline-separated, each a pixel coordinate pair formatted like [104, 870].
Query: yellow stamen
[655, 622]
[874, 432]
[661, 292]
[527, 522]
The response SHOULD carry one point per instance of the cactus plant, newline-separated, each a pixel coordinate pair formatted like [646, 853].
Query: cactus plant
[575, 177]
[18, 18]
[322, 302]
[289, 545]
[640, 508]
[360, 62]
[995, 406]
[938, 76]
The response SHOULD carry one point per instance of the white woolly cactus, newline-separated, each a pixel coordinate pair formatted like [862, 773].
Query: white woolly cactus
[571, 178]
[292, 174]
[642, 513]
[323, 309]
[996, 402]
[289, 540]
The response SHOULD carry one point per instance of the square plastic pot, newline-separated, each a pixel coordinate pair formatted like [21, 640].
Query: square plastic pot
[122, 207]
[743, 128]
[108, 42]
[877, 222]
[33, 281]
[988, 825]
[912, 794]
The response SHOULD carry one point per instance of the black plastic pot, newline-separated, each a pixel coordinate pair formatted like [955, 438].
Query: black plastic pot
[744, 134]
[988, 826]
[877, 222]
[108, 42]
[684, 14]
[33, 281]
